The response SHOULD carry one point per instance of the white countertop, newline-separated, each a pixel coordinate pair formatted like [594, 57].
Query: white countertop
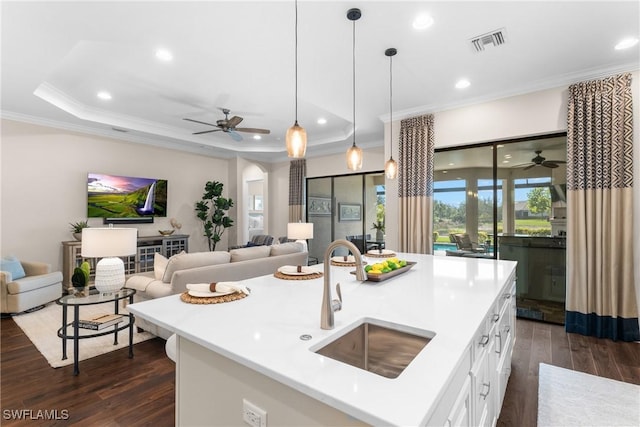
[447, 295]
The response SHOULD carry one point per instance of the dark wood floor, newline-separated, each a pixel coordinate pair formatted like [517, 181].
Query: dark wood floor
[113, 390]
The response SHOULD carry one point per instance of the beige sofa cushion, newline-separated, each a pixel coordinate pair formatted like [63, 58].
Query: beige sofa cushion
[252, 252]
[286, 248]
[183, 261]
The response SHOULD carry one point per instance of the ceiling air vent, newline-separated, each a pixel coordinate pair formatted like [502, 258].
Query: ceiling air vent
[494, 38]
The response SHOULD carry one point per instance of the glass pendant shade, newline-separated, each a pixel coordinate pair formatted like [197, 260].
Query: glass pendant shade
[391, 168]
[296, 139]
[354, 158]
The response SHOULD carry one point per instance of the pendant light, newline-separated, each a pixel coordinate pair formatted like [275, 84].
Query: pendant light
[354, 153]
[296, 137]
[391, 167]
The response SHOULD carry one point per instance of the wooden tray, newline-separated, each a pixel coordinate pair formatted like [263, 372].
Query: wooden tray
[384, 276]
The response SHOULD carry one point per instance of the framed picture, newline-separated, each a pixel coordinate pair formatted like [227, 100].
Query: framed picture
[319, 206]
[349, 212]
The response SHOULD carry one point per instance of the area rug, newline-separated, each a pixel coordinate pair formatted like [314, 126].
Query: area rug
[41, 327]
[571, 398]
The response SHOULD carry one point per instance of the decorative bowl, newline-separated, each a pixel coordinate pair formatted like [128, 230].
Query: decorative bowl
[166, 232]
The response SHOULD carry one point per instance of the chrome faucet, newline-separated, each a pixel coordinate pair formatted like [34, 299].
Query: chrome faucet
[330, 306]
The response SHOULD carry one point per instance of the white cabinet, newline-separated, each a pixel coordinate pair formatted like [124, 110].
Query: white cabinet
[460, 415]
[475, 395]
[493, 347]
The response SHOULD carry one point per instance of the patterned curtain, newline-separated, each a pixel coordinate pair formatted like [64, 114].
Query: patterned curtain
[601, 296]
[415, 184]
[297, 174]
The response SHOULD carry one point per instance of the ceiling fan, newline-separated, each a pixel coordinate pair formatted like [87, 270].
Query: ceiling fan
[538, 160]
[228, 125]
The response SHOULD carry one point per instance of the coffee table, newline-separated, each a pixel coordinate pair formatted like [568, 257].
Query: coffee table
[71, 330]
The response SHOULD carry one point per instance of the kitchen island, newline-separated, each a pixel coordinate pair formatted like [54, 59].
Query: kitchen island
[262, 348]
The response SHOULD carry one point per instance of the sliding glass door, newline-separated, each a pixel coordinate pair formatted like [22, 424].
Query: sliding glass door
[344, 207]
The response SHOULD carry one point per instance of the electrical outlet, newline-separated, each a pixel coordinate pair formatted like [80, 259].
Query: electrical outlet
[252, 415]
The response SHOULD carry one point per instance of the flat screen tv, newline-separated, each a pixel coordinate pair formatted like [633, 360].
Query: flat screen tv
[125, 198]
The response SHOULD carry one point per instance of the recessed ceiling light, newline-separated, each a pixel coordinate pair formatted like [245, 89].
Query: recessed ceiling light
[505, 161]
[164, 55]
[627, 43]
[463, 83]
[445, 171]
[322, 121]
[257, 137]
[507, 156]
[451, 164]
[422, 21]
[104, 95]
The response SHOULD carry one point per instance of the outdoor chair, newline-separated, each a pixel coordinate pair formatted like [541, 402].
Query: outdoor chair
[464, 243]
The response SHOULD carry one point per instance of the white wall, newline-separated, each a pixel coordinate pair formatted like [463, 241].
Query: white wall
[525, 115]
[44, 186]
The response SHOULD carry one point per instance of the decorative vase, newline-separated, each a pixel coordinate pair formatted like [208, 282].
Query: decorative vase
[379, 235]
[77, 236]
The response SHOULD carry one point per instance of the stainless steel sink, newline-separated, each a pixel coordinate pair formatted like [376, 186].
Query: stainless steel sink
[375, 348]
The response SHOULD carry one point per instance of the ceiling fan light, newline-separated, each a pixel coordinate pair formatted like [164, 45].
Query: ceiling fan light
[391, 168]
[296, 140]
[354, 158]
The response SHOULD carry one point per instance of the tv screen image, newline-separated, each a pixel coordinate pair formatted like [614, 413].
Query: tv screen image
[113, 196]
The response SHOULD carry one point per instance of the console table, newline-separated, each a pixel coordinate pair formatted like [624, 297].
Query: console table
[139, 263]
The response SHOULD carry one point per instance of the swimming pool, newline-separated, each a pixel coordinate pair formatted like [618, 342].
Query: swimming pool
[444, 247]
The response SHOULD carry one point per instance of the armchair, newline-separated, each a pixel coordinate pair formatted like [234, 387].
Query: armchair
[39, 286]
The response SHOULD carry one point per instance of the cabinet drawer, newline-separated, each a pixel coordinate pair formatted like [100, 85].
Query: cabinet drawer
[481, 389]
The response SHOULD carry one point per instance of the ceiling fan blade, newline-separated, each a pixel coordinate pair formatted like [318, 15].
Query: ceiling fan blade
[253, 130]
[548, 164]
[206, 131]
[557, 161]
[235, 135]
[529, 167]
[202, 123]
[234, 121]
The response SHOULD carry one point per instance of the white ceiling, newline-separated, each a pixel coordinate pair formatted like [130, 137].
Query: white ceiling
[240, 55]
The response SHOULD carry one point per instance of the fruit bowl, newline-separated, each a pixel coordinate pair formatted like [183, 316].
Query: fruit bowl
[373, 277]
[166, 232]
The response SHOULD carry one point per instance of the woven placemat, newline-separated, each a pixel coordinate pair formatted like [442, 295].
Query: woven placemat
[315, 275]
[392, 254]
[211, 300]
[343, 264]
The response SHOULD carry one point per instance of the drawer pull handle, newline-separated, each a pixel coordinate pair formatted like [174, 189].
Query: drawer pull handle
[486, 393]
[507, 296]
[507, 329]
[496, 317]
[484, 340]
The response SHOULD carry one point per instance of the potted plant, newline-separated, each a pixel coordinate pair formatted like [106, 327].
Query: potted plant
[379, 227]
[76, 228]
[80, 279]
[212, 210]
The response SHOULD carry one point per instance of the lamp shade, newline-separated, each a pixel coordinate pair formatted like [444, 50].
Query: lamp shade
[354, 158]
[391, 168]
[109, 242]
[300, 230]
[296, 139]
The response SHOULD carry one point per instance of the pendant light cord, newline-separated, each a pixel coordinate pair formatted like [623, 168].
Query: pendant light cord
[391, 107]
[354, 83]
[296, 56]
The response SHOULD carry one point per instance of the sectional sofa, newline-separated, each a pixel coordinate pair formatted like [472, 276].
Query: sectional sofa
[171, 276]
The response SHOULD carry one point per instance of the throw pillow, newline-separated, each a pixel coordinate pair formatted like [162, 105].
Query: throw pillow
[12, 265]
[159, 265]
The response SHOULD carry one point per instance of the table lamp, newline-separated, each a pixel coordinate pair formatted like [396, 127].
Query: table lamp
[109, 244]
[300, 231]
